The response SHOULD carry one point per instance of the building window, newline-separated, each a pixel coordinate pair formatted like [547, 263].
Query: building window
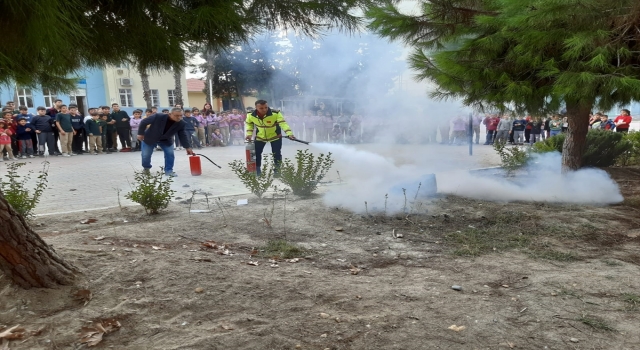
[126, 98]
[123, 65]
[25, 98]
[50, 97]
[155, 98]
[73, 99]
[172, 97]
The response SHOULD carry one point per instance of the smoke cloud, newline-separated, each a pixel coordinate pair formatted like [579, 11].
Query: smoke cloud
[372, 176]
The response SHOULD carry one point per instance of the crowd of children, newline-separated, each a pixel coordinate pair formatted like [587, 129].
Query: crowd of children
[63, 131]
[323, 126]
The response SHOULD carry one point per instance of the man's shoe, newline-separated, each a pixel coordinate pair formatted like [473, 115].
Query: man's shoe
[66, 155]
[146, 171]
[171, 174]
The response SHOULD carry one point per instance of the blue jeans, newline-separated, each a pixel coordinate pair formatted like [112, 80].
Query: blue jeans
[554, 132]
[169, 157]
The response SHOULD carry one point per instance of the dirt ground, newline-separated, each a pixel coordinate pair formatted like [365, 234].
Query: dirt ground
[533, 276]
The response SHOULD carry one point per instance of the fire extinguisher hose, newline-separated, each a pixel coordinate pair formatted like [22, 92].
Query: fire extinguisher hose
[202, 155]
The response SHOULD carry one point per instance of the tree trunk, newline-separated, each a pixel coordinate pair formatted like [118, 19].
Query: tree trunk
[177, 77]
[210, 57]
[576, 140]
[25, 258]
[146, 90]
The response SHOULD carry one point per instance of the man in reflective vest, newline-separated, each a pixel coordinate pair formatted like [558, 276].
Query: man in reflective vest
[270, 125]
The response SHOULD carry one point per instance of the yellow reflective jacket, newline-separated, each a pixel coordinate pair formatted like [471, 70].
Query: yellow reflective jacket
[270, 127]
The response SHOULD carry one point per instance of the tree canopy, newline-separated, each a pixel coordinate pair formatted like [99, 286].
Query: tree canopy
[533, 56]
[48, 41]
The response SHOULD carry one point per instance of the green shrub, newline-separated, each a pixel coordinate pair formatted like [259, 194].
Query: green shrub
[603, 147]
[513, 158]
[152, 191]
[631, 156]
[17, 193]
[304, 176]
[258, 185]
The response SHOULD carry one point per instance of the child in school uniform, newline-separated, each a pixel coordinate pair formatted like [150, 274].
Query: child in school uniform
[237, 135]
[217, 138]
[25, 141]
[5, 140]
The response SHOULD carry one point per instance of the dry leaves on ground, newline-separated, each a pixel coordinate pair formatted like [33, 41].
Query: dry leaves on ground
[15, 332]
[158, 248]
[93, 335]
[253, 263]
[88, 221]
[457, 328]
[83, 295]
[354, 270]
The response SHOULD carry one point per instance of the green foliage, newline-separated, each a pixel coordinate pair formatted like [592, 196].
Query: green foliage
[304, 176]
[16, 191]
[258, 185]
[152, 33]
[152, 190]
[513, 158]
[281, 249]
[531, 56]
[604, 148]
[631, 156]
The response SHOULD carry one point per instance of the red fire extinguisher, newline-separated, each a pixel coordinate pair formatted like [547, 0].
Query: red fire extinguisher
[195, 165]
[250, 151]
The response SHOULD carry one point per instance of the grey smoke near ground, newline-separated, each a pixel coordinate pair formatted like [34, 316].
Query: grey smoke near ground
[371, 176]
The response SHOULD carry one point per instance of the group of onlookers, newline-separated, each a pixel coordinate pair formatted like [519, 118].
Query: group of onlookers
[323, 126]
[63, 131]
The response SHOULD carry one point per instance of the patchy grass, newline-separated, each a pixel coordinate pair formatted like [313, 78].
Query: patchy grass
[475, 242]
[633, 202]
[554, 255]
[632, 299]
[282, 249]
[596, 323]
[610, 262]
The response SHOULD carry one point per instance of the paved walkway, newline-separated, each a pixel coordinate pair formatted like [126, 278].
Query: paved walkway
[90, 182]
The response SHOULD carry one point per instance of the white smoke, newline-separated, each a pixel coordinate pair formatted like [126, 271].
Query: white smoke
[379, 181]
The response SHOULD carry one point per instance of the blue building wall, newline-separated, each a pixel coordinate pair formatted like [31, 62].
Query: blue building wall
[92, 82]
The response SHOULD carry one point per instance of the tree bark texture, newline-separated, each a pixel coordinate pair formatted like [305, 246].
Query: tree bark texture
[177, 77]
[25, 258]
[576, 141]
[146, 90]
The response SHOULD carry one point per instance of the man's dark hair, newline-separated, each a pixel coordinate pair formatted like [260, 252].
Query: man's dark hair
[148, 110]
[40, 108]
[63, 106]
[165, 111]
[73, 106]
[260, 102]
[9, 102]
[100, 115]
[5, 113]
[114, 104]
[56, 100]
[23, 108]
[103, 107]
[22, 118]
[137, 111]
[187, 110]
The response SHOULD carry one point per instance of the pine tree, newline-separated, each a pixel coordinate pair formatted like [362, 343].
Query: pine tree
[534, 56]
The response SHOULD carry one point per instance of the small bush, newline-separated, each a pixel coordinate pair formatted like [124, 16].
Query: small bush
[513, 158]
[152, 191]
[282, 249]
[632, 155]
[603, 147]
[258, 185]
[304, 176]
[16, 192]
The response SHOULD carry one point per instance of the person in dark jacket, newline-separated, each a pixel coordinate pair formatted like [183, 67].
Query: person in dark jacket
[77, 122]
[123, 128]
[160, 132]
[53, 112]
[94, 131]
[23, 134]
[42, 123]
[536, 130]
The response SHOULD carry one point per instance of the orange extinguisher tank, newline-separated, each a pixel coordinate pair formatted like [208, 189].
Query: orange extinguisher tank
[195, 165]
[250, 151]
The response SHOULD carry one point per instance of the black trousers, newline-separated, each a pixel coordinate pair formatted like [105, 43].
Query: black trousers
[125, 137]
[78, 141]
[490, 135]
[110, 144]
[527, 135]
[56, 138]
[276, 148]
